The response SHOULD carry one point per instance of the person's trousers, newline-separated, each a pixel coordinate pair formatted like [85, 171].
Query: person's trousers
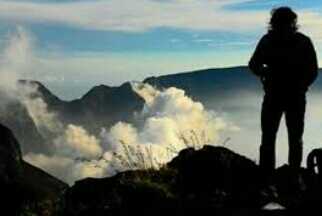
[273, 107]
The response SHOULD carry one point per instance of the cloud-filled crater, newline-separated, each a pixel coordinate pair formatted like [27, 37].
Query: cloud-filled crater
[168, 122]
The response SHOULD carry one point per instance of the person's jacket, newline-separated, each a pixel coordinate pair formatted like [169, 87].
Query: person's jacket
[285, 62]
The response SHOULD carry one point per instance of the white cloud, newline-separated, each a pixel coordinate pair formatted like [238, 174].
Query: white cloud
[174, 40]
[57, 166]
[75, 155]
[66, 168]
[167, 117]
[71, 142]
[15, 61]
[76, 142]
[121, 131]
[140, 15]
[203, 40]
[45, 120]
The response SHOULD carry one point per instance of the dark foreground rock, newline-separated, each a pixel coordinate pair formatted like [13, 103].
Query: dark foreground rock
[212, 178]
[22, 185]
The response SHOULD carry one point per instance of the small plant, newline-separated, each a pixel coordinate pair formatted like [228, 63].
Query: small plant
[133, 158]
[160, 181]
[137, 157]
[142, 157]
[195, 141]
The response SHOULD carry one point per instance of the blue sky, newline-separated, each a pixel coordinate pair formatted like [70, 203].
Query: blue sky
[84, 43]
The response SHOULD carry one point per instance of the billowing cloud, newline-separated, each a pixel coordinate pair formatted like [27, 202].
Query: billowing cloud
[15, 62]
[170, 121]
[68, 142]
[45, 120]
[121, 131]
[75, 155]
[76, 142]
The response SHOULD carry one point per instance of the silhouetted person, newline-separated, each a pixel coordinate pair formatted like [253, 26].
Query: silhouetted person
[286, 63]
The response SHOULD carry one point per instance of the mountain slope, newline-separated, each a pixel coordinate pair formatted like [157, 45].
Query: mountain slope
[20, 182]
[15, 116]
[202, 83]
[102, 106]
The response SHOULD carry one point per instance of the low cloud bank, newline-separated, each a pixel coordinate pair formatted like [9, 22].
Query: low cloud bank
[169, 122]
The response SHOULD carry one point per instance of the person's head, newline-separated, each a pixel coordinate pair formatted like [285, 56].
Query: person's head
[283, 19]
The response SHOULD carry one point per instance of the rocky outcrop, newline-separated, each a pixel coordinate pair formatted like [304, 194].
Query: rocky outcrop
[22, 184]
[212, 178]
[217, 173]
[10, 155]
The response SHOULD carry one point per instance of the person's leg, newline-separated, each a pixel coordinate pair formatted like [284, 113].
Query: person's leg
[294, 116]
[272, 110]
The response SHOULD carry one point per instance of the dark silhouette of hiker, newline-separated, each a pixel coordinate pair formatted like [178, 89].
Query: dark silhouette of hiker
[285, 61]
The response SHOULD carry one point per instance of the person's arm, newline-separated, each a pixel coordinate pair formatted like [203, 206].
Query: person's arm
[256, 62]
[311, 64]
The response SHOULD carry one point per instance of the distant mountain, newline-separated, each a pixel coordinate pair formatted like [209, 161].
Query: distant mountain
[103, 106]
[202, 85]
[210, 83]
[208, 80]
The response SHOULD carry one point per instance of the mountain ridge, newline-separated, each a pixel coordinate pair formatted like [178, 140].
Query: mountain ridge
[103, 106]
[151, 80]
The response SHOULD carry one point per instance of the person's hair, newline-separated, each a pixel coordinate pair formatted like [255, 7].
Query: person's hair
[283, 19]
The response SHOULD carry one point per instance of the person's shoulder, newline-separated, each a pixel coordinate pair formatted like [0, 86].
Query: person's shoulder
[264, 39]
[302, 37]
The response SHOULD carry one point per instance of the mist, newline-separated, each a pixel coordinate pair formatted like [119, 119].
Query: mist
[244, 109]
[15, 63]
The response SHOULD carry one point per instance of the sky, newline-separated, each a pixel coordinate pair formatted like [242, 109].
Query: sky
[81, 43]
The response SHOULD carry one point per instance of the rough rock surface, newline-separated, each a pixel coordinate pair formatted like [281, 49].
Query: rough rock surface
[22, 184]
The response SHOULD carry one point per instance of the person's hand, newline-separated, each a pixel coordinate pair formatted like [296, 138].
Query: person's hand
[263, 73]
